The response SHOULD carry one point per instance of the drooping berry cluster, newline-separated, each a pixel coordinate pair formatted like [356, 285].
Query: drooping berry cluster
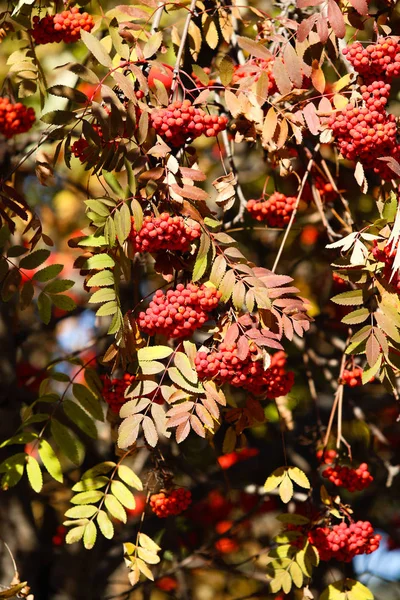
[225, 366]
[179, 312]
[63, 27]
[353, 377]
[252, 69]
[343, 542]
[375, 61]
[386, 255]
[114, 390]
[166, 504]
[367, 133]
[276, 211]
[15, 118]
[226, 461]
[353, 480]
[328, 457]
[181, 122]
[165, 232]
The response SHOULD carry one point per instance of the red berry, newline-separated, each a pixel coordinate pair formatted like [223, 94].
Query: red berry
[165, 232]
[179, 312]
[344, 542]
[170, 503]
[381, 59]
[114, 390]
[224, 366]
[276, 211]
[63, 27]
[15, 118]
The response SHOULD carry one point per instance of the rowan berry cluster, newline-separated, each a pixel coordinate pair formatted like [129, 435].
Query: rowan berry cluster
[165, 232]
[343, 542]
[15, 118]
[226, 461]
[181, 122]
[253, 69]
[353, 480]
[386, 256]
[327, 457]
[375, 61]
[276, 211]
[367, 133]
[81, 149]
[166, 504]
[114, 390]
[225, 545]
[179, 312]
[62, 27]
[339, 281]
[225, 366]
[352, 377]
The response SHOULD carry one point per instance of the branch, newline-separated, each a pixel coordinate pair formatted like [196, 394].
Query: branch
[185, 32]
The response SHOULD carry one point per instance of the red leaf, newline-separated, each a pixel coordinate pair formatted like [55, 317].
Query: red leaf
[232, 334]
[311, 118]
[392, 164]
[242, 348]
[322, 28]
[305, 3]
[281, 76]
[336, 19]
[293, 65]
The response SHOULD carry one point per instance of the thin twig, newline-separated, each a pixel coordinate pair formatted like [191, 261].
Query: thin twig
[293, 215]
[157, 17]
[182, 46]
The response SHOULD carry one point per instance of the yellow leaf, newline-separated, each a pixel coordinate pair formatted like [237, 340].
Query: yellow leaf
[274, 479]
[286, 489]
[299, 477]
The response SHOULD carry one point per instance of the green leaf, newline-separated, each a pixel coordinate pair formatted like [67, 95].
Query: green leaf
[183, 364]
[115, 508]
[48, 273]
[90, 534]
[129, 477]
[84, 511]
[291, 518]
[89, 497]
[101, 279]
[286, 489]
[13, 469]
[146, 542]
[123, 224]
[80, 418]
[296, 575]
[390, 208]
[107, 309]
[21, 438]
[182, 383]
[349, 298]
[34, 473]
[114, 184]
[100, 208]
[84, 73]
[356, 316]
[75, 534]
[63, 91]
[137, 213]
[154, 353]
[105, 525]
[96, 48]
[201, 263]
[94, 241]
[299, 477]
[103, 295]
[88, 401]
[58, 285]
[123, 494]
[90, 484]
[274, 479]
[65, 440]
[100, 469]
[368, 374]
[58, 117]
[99, 261]
[50, 460]
[63, 302]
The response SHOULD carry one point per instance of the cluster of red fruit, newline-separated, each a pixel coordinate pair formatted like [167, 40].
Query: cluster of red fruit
[343, 542]
[225, 366]
[114, 390]
[179, 312]
[252, 69]
[63, 27]
[226, 544]
[369, 132]
[181, 122]
[353, 480]
[165, 232]
[375, 61]
[353, 377]
[276, 211]
[386, 255]
[171, 503]
[15, 118]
